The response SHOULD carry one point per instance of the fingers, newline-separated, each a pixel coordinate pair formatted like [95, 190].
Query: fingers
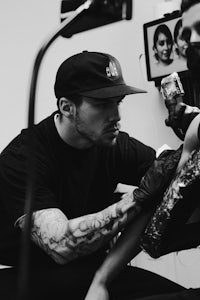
[176, 118]
[125, 204]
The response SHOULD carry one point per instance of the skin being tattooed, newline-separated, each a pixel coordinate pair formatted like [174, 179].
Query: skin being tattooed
[65, 240]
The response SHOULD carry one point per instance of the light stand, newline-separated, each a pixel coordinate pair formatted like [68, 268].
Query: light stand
[23, 279]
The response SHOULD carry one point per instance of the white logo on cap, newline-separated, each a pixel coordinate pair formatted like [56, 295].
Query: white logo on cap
[111, 70]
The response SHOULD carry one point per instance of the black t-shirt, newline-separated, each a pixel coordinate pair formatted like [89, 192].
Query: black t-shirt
[76, 181]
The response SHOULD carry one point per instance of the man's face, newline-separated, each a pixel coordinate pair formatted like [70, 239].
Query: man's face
[98, 120]
[191, 24]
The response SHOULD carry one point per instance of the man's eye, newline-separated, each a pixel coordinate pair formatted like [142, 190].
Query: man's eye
[102, 104]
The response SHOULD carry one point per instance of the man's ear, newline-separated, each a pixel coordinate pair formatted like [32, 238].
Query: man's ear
[66, 107]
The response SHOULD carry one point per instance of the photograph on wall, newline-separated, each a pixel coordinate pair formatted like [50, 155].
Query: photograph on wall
[165, 50]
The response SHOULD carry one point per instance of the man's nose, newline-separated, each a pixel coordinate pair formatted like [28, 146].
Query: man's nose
[115, 114]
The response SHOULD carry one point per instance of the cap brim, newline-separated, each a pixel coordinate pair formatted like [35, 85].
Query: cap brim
[112, 91]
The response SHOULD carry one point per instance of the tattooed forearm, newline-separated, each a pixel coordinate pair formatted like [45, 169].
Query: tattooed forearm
[48, 230]
[65, 240]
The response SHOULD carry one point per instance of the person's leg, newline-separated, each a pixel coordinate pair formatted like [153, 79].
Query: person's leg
[134, 282]
[51, 282]
[72, 282]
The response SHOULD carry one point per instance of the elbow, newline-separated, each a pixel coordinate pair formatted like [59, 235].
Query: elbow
[60, 259]
[62, 255]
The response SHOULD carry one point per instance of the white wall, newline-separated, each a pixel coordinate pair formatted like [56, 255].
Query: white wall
[25, 24]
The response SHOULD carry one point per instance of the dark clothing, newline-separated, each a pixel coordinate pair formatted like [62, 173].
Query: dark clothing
[72, 282]
[76, 181]
[175, 224]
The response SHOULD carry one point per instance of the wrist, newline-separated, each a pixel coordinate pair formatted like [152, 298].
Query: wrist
[100, 278]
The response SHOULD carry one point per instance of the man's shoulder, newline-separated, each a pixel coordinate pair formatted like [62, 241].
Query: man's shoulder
[18, 145]
[126, 138]
[130, 146]
[48, 121]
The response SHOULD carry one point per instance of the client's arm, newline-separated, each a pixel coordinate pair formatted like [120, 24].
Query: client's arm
[126, 247]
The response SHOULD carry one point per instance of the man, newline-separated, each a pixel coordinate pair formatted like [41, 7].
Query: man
[80, 157]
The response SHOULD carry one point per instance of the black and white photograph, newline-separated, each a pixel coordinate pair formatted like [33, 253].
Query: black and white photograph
[165, 50]
[100, 150]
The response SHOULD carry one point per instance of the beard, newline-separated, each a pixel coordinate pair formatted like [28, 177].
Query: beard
[193, 61]
[93, 137]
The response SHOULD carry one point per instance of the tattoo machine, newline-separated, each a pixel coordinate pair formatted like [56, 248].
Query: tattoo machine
[172, 92]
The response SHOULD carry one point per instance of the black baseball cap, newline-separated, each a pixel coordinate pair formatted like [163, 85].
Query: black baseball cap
[92, 74]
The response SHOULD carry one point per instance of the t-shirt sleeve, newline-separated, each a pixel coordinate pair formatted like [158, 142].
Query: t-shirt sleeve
[14, 187]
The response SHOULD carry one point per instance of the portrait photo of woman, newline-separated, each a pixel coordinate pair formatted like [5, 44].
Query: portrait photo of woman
[165, 50]
[163, 45]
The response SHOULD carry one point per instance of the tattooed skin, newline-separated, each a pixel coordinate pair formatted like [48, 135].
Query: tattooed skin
[65, 240]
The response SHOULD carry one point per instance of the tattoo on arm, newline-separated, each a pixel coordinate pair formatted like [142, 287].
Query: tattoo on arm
[65, 240]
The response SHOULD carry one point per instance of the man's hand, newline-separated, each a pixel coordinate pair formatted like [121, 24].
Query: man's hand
[180, 117]
[125, 203]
